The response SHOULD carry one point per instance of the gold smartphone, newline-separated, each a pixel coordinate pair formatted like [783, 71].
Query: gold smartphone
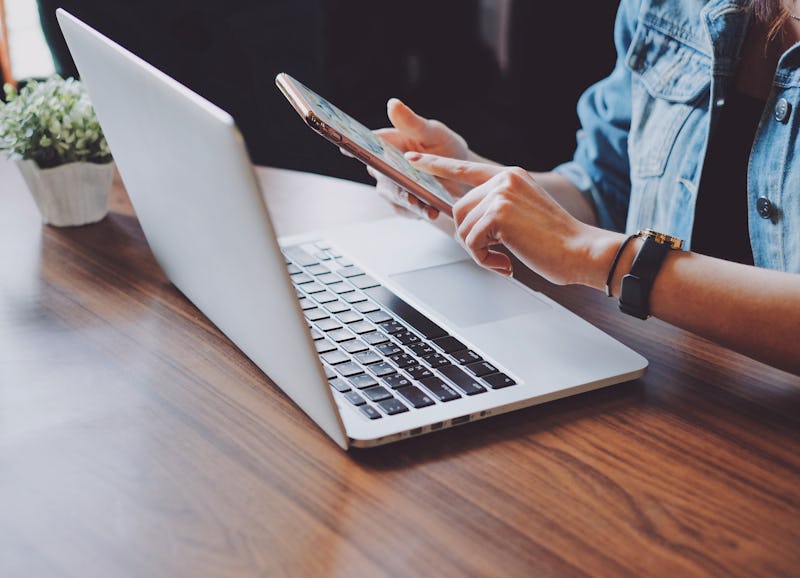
[347, 133]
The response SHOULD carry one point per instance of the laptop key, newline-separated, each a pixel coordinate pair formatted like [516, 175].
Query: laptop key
[439, 389]
[367, 357]
[354, 297]
[324, 297]
[370, 411]
[300, 256]
[376, 393]
[349, 316]
[348, 368]
[363, 281]
[317, 269]
[418, 371]
[361, 327]
[481, 368]
[343, 334]
[396, 380]
[355, 346]
[341, 287]
[392, 326]
[334, 357]
[392, 406]
[436, 360]
[324, 346]
[406, 337]
[339, 385]
[388, 349]
[315, 314]
[367, 307]
[337, 306]
[313, 287]
[376, 315]
[415, 396]
[355, 398]
[498, 380]
[328, 324]
[421, 349]
[328, 278]
[406, 312]
[363, 381]
[402, 360]
[381, 369]
[374, 338]
[466, 356]
[350, 271]
[448, 344]
[463, 381]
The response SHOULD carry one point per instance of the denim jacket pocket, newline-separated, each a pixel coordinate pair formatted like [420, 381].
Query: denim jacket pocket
[669, 79]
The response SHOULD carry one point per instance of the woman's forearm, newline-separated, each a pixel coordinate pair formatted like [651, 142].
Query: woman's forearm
[567, 195]
[750, 310]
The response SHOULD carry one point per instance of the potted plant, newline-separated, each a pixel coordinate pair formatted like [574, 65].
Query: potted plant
[50, 129]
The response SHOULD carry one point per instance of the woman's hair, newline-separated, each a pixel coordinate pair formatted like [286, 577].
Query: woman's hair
[772, 13]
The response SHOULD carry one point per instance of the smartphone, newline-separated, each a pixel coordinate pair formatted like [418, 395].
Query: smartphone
[347, 133]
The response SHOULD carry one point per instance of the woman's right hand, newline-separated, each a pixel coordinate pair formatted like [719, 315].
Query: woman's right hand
[411, 132]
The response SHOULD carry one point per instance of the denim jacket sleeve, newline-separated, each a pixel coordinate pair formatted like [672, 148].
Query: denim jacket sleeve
[600, 167]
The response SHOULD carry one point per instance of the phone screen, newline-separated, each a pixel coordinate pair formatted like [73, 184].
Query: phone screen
[354, 131]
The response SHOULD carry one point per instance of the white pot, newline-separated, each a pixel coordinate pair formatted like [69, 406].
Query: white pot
[71, 194]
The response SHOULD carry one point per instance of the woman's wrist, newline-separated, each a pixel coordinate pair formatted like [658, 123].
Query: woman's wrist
[623, 266]
[601, 253]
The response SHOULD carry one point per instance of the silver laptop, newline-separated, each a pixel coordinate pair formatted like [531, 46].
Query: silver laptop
[378, 331]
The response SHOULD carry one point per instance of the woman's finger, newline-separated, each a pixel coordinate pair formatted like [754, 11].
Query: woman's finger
[466, 172]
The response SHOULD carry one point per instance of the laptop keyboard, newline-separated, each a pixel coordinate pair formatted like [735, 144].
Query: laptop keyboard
[379, 352]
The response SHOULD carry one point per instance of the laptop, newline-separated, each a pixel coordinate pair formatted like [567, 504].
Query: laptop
[378, 331]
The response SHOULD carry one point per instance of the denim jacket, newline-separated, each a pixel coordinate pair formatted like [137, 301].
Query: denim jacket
[644, 128]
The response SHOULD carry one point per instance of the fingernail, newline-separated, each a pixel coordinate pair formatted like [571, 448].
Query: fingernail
[413, 156]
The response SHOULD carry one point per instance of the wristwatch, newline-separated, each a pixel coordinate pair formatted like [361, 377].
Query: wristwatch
[634, 298]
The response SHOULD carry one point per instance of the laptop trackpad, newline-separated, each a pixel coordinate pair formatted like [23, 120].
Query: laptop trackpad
[468, 295]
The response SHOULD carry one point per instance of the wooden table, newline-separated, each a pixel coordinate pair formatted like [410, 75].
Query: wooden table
[136, 440]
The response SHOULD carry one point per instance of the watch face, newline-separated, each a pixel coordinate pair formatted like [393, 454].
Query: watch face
[662, 238]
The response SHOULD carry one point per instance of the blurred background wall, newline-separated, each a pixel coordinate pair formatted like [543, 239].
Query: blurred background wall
[506, 74]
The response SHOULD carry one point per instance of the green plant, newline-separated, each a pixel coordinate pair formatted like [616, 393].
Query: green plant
[51, 122]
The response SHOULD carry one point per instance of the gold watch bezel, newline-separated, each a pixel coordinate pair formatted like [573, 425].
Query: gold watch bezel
[662, 238]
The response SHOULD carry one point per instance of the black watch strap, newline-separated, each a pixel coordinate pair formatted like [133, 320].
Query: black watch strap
[634, 298]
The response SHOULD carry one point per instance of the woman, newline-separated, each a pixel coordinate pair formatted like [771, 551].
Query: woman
[694, 135]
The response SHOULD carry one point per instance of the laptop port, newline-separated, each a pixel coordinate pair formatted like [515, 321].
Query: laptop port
[460, 420]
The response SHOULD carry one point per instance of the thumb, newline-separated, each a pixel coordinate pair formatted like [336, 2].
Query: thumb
[406, 120]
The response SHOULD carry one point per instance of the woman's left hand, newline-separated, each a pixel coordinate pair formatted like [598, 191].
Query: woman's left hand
[506, 206]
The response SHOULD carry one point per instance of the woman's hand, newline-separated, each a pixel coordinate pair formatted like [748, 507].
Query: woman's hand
[412, 132]
[506, 206]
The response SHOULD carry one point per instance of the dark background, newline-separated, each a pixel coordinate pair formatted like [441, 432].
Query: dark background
[358, 53]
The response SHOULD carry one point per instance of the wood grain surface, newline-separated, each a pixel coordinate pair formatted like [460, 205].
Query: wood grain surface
[137, 441]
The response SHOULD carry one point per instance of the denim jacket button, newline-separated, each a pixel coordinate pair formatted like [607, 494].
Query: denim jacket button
[782, 110]
[764, 207]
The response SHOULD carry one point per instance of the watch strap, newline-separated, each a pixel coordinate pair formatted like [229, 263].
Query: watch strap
[634, 298]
